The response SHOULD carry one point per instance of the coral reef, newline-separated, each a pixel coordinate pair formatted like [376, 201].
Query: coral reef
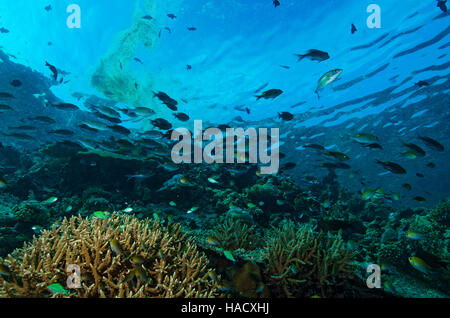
[233, 234]
[147, 260]
[304, 263]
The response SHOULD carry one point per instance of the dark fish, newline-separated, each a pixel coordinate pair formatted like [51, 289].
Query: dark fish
[315, 146]
[181, 116]
[167, 100]
[372, 146]
[419, 151]
[285, 66]
[48, 8]
[172, 16]
[422, 83]
[247, 110]
[161, 123]
[66, 106]
[3, 30]
[5, 107]
[392, 167]
[171, 106]
[337, 155]
[6, 95]
[442, 4]
[168, 29]
[276, 3]
[53, 69]
[138, 60]
[86, 127]
[328, 165]
[354, 29]
[124, 143]
[16, 83]
[431, 165]
[286, 116]
[407, 186]
[20, 136]
[419, 199]
[147, 17]
[420, 175]
[314, 55]
[223, 127]
[433, 144]
[189, 67]
[192, 29]
[62, 132]
[120, 129]
[43, 119]
[110, 119]
[288, 166]
[270, 94]
[25, 127]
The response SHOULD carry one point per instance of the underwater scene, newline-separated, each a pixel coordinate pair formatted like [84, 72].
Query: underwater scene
[224, 149]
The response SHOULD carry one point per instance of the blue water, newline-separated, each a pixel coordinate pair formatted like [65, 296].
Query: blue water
[238, 47]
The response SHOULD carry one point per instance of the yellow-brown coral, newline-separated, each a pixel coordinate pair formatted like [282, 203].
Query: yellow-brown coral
[173, 266]
[302, 262]
[233, 233]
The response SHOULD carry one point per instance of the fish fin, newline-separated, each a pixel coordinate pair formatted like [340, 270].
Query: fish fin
[258, 97]
[318, 96]
[300, 57]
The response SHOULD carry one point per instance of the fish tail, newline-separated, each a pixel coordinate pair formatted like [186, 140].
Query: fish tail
[317, 92]
[300, 57]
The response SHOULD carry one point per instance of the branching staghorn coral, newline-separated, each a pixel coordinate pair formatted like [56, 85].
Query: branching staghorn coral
[148, 261]
[233, 234]
[301, 262]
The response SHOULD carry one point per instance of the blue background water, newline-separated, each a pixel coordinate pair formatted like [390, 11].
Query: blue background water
[240, 45]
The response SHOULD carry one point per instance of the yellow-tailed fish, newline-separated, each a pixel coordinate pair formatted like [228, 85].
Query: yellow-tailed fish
[141, 274]
[365, 138]
[327, 79]
[115, 246]
[260, 288]
[193, 209]
[50, 201]
[137, 260]
[367, 194]
[100, 215]
[395, 196]
[420, 264]
[4, 270]
[229, 256]
[409, 154]
[212, 180]
[212, 241]
[412, 235]
[57, 289]
[2, 184]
